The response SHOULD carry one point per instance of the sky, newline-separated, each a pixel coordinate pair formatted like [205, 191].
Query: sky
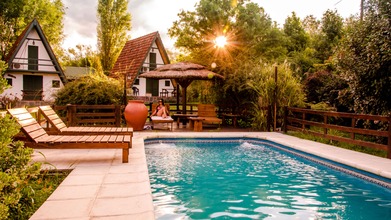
[148, 16]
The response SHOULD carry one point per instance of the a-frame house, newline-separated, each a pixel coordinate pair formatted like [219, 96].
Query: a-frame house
[33, 70]
[140, 55]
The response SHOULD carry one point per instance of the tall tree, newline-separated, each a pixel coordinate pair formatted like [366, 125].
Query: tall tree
[364, 58]
[114, 22]
[331, 33]
[15, 15]
[294, 30]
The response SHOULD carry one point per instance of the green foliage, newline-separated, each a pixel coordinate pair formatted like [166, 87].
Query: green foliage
[91, 90]
[325, 87]
[297, 37]
[16, 170]
[261, 79]
[15, 15]
[3, 82]
[364, 59]
[113, 25]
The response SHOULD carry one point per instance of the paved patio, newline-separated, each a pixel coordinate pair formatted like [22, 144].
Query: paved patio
[101, 187]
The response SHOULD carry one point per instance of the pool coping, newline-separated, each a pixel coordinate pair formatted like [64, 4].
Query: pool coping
[102, 187]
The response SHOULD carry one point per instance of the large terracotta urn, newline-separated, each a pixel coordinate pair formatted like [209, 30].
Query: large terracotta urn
[136, 114]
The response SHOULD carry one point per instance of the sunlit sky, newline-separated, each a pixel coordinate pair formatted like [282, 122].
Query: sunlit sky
[158, 15]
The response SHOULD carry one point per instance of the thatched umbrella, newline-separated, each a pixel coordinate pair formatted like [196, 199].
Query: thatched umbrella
[183, 73]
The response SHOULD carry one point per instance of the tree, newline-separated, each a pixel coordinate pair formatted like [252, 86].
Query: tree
[15, 15]
[113, 25]
[331, 33]
[294, 30]
[364, 58]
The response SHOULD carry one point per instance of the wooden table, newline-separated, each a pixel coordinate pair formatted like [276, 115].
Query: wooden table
[196, 122]
[183, 116]
[233, 116]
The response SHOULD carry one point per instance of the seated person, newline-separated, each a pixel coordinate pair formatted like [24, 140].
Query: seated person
[161, 110]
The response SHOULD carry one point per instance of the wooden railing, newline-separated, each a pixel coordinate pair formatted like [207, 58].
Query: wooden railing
[304, 120]
[91, 115]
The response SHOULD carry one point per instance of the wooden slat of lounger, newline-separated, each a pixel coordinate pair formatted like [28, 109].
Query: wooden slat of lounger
[23, 116]
[112, 138]
[36, 134]
[93, 138]
[127, 138]
[105, 138]
[120, 138]
[49, 138]
[27, 122]
[84, 137]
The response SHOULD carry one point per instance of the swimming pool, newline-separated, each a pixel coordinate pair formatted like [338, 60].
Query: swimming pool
[256, 179]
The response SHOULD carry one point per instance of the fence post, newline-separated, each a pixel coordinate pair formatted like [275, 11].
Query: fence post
[285, 119]
[117, 115]
[325, 120]
[353, 135]
[71, 115]
[269, 118]
[389, 137]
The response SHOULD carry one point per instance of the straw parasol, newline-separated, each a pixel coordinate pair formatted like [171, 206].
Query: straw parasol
[183, 73]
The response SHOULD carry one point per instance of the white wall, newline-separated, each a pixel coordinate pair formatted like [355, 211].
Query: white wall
[48, 90]
[43, 56]
[159, 60]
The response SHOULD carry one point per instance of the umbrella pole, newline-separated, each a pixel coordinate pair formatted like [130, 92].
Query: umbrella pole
[177, 98]
[184, 100]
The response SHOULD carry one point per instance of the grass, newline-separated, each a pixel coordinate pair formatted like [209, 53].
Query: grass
[44, 186]
[367, 150]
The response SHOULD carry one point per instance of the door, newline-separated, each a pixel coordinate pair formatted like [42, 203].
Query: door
[152, 84]
[153, 87]
[32, 87]
[32, 57]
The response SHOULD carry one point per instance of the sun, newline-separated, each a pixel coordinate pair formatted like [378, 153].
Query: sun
[221, 41]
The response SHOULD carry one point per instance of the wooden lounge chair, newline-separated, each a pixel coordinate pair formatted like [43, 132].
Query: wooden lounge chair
[206, 115]
[38, 138]
[59, 127]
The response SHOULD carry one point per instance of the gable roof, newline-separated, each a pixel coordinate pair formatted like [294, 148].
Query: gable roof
[135, 52]
[19, 43]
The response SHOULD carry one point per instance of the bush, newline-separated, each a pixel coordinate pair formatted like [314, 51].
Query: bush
[16, 170]
[91, 90]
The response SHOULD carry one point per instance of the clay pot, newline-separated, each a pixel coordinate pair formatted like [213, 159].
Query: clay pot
[136, 114]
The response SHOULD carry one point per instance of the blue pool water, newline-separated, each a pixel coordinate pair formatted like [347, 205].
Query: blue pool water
[246, 180]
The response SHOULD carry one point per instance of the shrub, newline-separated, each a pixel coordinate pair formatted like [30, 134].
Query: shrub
[16, 170]
[91, 90]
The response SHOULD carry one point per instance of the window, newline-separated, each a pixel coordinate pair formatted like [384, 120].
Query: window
[152, 61]
[32, 57]
[9, 81]
[56, 83]
[136, 82]
[167, 83]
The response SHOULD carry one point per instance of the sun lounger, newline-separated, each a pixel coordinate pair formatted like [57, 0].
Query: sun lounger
[59, 127]
[38, 138]
[159, 120]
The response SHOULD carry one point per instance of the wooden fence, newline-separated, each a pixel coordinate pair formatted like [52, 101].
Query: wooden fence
[92, 115]
[298, 119]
